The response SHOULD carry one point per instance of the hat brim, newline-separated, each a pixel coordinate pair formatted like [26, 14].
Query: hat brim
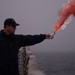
[16, 24]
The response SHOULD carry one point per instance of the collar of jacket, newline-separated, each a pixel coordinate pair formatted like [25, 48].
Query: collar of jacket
[5, 35]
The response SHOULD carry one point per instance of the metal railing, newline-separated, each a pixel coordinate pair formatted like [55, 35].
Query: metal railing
[28, 64]
[23, 61]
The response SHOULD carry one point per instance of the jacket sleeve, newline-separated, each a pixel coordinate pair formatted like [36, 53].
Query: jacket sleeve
[29, 40]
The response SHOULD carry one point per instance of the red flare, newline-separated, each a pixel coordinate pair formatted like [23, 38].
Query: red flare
[65, 14]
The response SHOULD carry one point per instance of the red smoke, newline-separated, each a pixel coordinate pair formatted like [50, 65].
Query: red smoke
[67, 11]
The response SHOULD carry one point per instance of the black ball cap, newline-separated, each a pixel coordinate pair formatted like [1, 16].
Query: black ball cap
[11, 22]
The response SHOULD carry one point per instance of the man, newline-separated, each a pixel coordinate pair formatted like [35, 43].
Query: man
[10, 44]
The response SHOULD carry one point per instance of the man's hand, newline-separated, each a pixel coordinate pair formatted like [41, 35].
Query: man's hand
[48, 36]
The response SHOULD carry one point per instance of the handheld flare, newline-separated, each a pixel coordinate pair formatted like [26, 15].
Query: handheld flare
[52, 35]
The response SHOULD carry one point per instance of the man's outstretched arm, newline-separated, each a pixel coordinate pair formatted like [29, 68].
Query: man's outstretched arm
[28, 40]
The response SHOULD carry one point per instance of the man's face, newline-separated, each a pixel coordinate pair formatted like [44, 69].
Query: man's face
[11, 29]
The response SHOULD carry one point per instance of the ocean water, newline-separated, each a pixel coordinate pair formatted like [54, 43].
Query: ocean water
[56, 63]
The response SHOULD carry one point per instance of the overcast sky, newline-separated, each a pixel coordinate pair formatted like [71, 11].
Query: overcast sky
[39, 17]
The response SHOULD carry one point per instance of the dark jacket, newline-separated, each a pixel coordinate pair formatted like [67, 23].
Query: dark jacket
[9, 48]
